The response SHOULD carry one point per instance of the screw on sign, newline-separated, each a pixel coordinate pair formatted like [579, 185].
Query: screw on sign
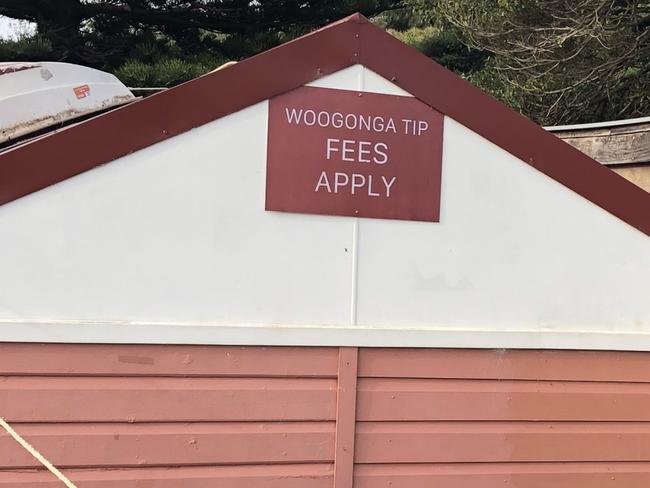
[335, 152]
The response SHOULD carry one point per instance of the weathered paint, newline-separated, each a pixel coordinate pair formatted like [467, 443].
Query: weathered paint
[36, 96]
[7, 68]
[156, 360]
[475, 364]
[501, 442]
[423, 417]
[234, 416]
[520, 475]
[623, 146]
[261, 476]
[459, 400]
[170, 443]
[111, 399]
[616, 143]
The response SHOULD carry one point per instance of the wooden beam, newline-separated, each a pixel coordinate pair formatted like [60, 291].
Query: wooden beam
[346, 418]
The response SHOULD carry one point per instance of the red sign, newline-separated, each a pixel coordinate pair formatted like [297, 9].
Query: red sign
[339, 152]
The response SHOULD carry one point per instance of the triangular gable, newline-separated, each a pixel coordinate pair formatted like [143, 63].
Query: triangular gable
[354, 40]
[172, 244]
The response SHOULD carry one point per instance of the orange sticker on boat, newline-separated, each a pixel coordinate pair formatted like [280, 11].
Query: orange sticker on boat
[81, 91]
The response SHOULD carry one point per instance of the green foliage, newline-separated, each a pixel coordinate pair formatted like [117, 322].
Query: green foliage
[425, 39]
[25, 48]
[443, 46]
[165, 42]
[164, 72]
[557, 61]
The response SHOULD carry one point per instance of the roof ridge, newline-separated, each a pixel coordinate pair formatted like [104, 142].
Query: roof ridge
[352, 40]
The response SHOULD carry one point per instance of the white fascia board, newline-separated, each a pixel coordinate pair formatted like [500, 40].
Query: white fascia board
[307, 335]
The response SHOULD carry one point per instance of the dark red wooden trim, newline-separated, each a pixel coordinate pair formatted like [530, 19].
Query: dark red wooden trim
[48, 160]
[503, 126]
[60, 155]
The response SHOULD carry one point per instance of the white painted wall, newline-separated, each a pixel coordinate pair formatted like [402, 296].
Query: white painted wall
[174, 232]
[172, 244]
[513, 248]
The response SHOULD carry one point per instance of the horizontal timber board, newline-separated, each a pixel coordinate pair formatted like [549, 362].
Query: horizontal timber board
[611, 366]
[140, 445]
[520, 475]
[382, 399]
[481, 442]
[166, 360]
[272, 476]
[614, 145]
[97, 399]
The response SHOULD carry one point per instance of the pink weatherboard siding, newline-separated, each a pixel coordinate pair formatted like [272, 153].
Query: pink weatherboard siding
[298, 417]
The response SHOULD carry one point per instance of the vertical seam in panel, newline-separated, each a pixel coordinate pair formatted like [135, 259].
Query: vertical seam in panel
[355, 268]
[355, 237]
[346, 417]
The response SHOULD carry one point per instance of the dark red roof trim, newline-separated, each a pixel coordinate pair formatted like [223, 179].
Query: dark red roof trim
[48, 160]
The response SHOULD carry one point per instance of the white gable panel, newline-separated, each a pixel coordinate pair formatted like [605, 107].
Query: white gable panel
[358, 77]
[514, 250]
[172, 244]
[174, 232]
